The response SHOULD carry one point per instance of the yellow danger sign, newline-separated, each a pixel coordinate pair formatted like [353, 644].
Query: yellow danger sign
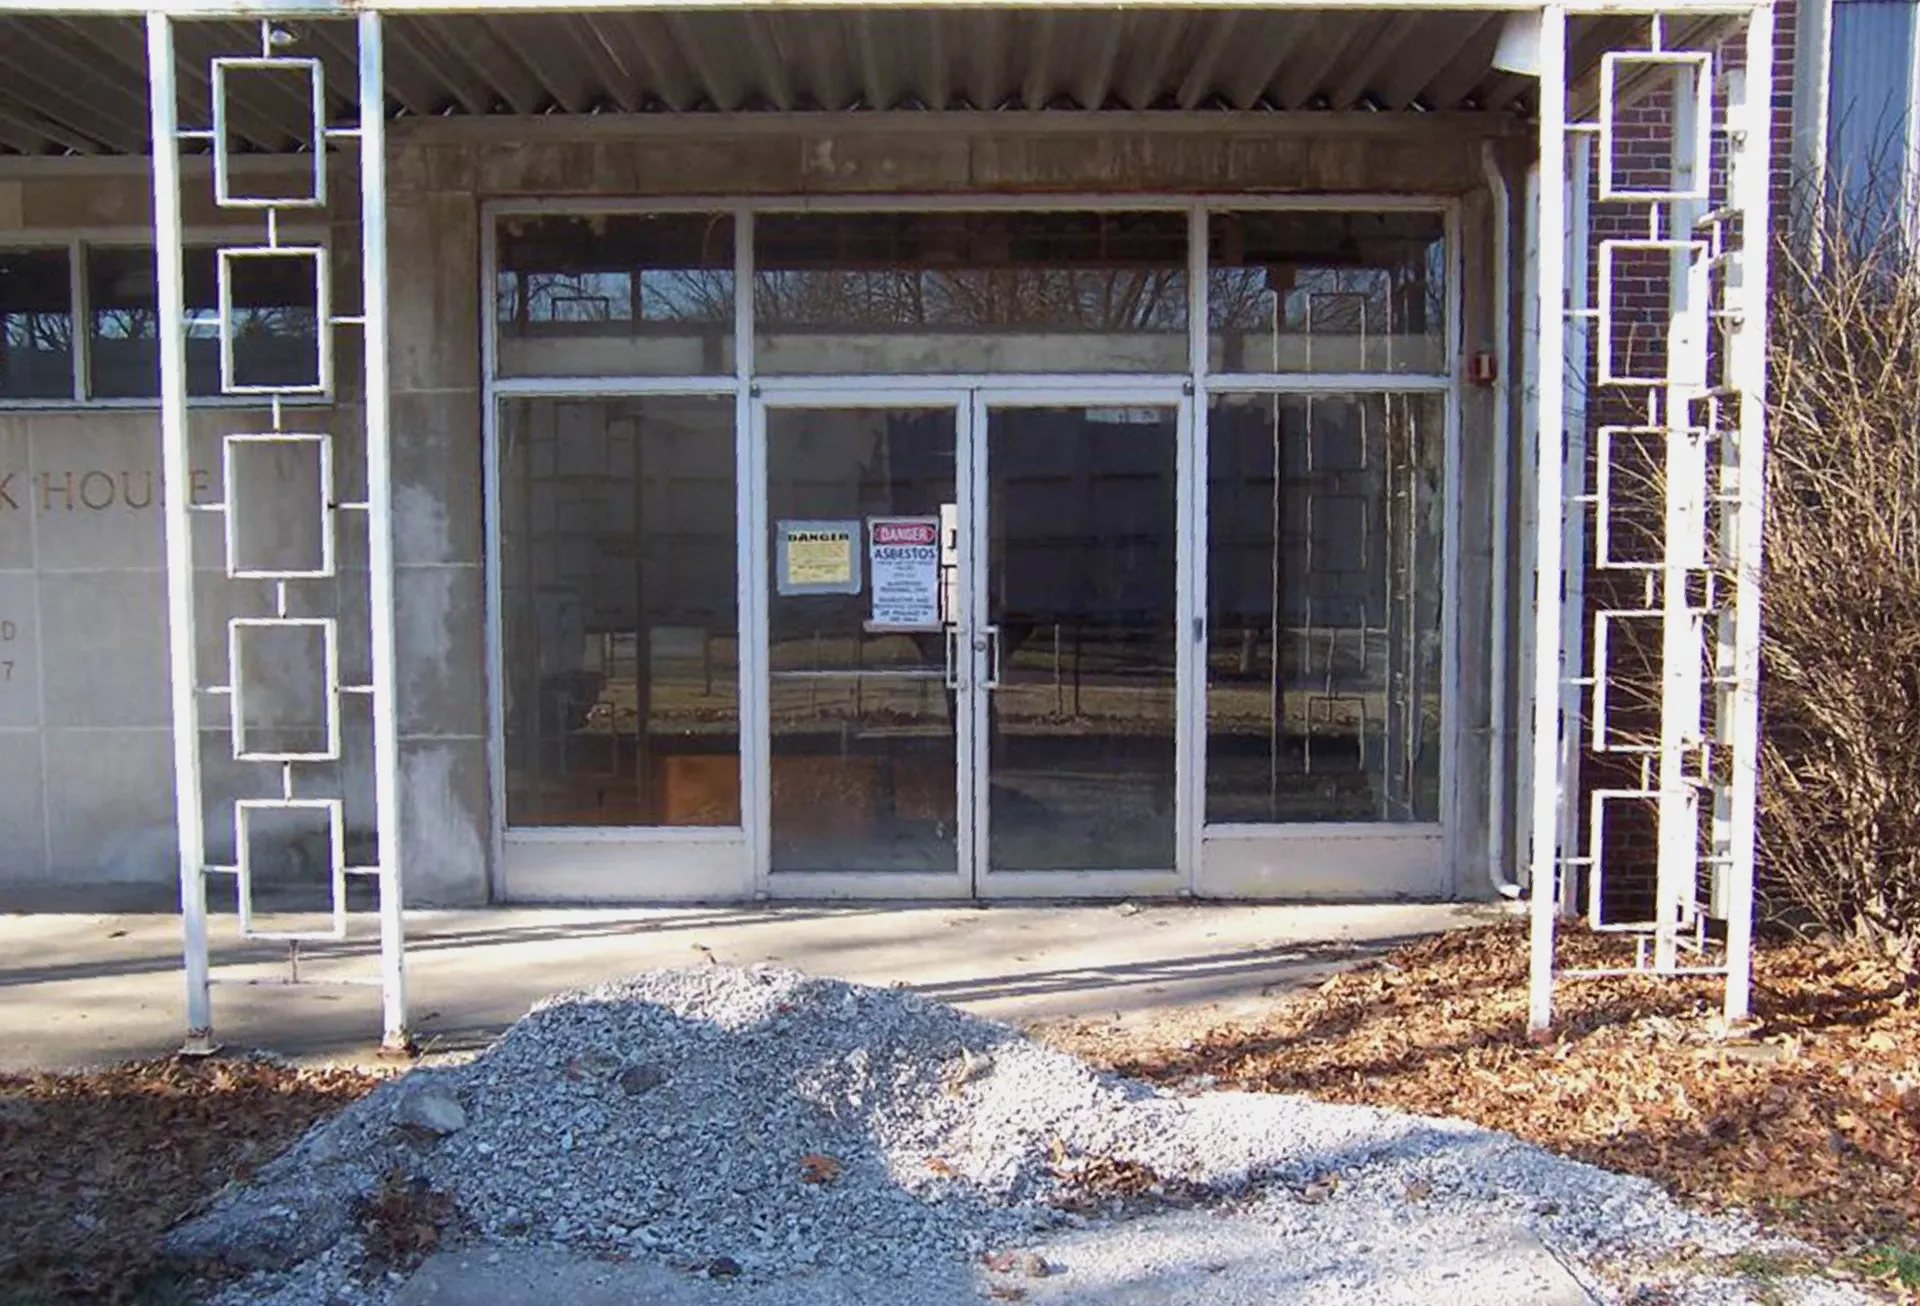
[819, 558]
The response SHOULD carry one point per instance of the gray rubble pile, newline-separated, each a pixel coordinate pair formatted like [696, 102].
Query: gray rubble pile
[763, 1125]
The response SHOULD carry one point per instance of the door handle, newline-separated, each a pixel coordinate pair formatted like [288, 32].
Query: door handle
[990, 643]
[950, 644]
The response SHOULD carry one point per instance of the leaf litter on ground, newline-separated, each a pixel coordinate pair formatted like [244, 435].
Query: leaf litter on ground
[95, 1165]
[1810, 1120]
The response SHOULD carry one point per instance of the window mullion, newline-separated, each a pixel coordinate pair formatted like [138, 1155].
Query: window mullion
[81, 325]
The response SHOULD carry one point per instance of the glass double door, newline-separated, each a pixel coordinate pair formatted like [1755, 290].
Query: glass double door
[971, 651]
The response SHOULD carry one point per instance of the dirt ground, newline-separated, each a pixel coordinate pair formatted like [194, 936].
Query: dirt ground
[1812, 1123]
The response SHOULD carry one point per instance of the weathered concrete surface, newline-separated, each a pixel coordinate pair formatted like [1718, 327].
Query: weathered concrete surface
[85, 989]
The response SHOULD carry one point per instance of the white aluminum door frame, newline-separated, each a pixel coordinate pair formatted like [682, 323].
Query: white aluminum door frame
[987, 882]
[971, 405]
[758, 736]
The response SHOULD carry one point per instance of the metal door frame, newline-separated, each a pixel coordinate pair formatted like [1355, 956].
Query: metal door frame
[987, 882]
[970, 402]
[757, 732]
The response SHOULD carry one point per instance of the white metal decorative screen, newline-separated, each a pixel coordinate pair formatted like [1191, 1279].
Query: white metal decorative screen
[295, 625]
[1651, 430]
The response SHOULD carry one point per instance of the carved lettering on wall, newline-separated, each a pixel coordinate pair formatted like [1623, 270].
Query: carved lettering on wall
[92, 489]
[9, 632]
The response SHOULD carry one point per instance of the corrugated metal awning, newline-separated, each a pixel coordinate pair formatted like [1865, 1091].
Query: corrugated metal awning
[78, 84]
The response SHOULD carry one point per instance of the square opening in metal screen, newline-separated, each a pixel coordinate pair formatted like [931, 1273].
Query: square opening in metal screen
[1664, 157]
[275, 336]
[1637, 287]
[1629, 515]
[279, 496]
[285, 674]
[291, 864]
[269, 81]
[1626, 681]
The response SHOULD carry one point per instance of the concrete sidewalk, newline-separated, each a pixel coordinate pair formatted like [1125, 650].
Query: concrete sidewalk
[89, 989]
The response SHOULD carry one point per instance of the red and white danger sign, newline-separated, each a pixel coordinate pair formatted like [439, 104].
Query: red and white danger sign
[903, 555]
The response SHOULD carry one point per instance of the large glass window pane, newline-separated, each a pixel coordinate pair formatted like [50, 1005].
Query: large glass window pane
[1323, 607]
[862, 711]
[619, 611]
[275, 322]
[1082, 554]
[1297, 291]
[616, 295]
[924, 293]
[36, 325]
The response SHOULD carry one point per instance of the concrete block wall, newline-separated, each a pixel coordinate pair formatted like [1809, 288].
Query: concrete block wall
[87, 813]
[433, 235]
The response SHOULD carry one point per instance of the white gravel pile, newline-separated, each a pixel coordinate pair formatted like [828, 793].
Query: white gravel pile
[765, 1127]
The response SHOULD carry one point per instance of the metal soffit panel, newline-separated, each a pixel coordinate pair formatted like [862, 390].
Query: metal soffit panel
[77, 85]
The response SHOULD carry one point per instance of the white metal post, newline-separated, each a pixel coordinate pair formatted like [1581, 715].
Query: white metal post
[396, 1036]
[177, 492]
[751, 583]
[1550, 218]
[1573, 596]
[973, 710]
[1193, 574]
[1752, 180]
[1529, 432]
[1684, 539]
[1497, 601]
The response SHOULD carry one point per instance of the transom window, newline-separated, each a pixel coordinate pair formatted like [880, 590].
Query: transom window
[1287, 290]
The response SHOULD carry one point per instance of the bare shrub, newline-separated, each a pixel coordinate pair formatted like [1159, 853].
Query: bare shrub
[1840, 688]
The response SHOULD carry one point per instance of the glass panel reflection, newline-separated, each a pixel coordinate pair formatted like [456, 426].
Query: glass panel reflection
[1323, 608]
[1326, 292]
[275, 323]
[1081, 567]
[620, 613]
[616, 295]
[862, 719]
[925, 293]
[36, 325]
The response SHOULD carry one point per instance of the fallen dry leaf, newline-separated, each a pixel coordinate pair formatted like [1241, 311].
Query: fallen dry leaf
[819, 1168]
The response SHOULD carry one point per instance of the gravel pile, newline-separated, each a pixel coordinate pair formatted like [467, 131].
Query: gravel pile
[763, 1126]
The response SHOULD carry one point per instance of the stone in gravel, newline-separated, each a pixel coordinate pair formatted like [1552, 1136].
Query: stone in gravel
[432, 1110]
[641, 1078]
[269, 1236]
[1034, 1265]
